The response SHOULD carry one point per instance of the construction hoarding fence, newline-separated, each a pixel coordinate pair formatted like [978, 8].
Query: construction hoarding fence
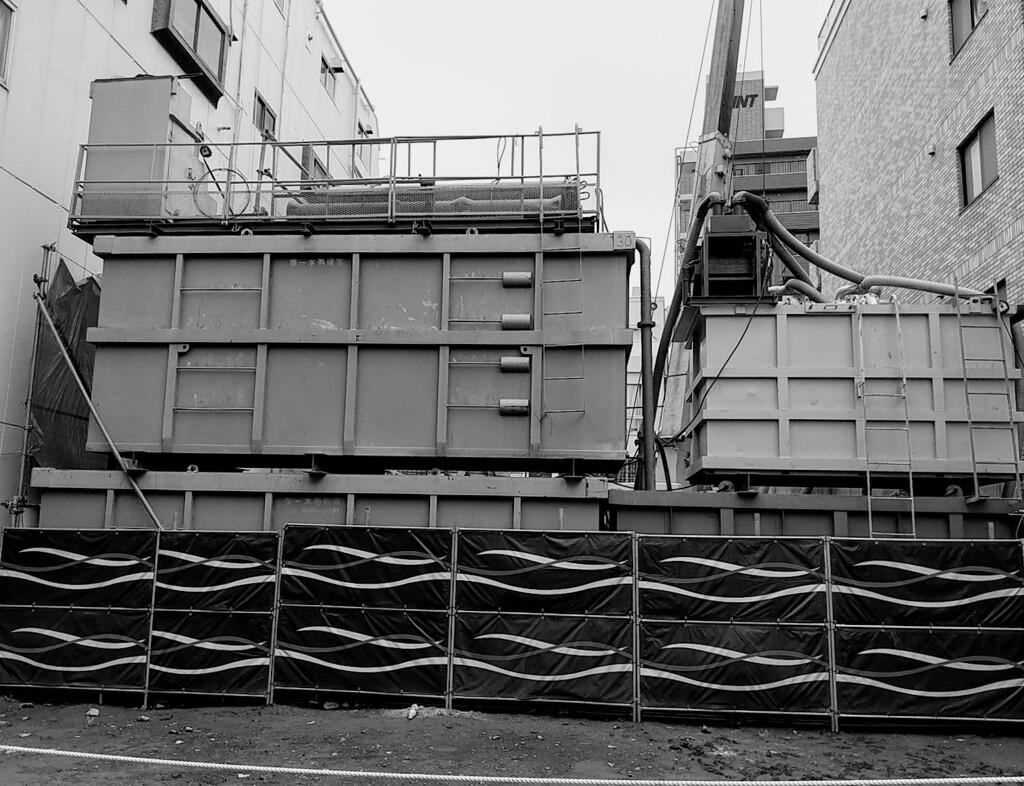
[826, 628]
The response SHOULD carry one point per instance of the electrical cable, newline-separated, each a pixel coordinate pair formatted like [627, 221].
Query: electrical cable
[707, 390]
[689, 124]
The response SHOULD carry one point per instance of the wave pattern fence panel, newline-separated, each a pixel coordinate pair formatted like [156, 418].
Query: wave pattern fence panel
[213, 613]
[365, 610]
[544, 616]
[734, 625]
[929, 629]
[813, 628]
[75, 608]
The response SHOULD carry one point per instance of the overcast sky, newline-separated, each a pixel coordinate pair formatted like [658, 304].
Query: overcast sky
[626, 68]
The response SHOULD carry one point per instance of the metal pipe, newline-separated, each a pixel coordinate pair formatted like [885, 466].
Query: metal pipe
[1017, 338]
[857, 289]
[682, 288]
[96, 415]
[646, 324]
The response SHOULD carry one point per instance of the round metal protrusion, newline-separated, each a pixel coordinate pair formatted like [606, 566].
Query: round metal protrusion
[514, 406]
[515, 364]
[192, 468]
[472, 231]
[246, 232]
[516, 321]
[517, 279]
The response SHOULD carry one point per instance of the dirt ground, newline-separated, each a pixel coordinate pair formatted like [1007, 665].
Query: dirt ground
[464, 742]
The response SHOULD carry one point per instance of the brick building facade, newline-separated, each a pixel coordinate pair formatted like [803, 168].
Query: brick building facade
[908, 95]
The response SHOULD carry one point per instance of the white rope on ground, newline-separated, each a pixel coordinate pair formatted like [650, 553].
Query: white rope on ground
[438, 777]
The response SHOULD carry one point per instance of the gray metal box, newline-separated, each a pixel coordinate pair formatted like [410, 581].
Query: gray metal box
[441, 349]
[807, 395]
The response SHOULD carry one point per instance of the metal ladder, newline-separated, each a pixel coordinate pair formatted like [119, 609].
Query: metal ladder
[1006, 395]
[579, 400]
[905, 465]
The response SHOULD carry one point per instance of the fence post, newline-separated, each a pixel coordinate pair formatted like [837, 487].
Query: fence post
[830, 628]
[449, 688]
[275, 615]
[152, 620]
[635, 619]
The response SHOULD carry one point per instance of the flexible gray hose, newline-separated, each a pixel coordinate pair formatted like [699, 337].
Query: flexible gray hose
[806, 290]
[788, 260]
[682, 287]
[763, 216]
[924, 286]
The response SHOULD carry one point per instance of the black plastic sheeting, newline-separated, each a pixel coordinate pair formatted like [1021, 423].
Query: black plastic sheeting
[60, 416]
[820, 627]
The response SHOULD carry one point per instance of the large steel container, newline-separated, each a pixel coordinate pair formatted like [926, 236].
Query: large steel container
[443, 349]
[268, 501]
[812, 394]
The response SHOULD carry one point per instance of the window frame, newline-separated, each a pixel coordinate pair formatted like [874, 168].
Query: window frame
[973, 19]
[976, 134]
[185, 52]
[260, 103]
[327, 73]
[5, 62]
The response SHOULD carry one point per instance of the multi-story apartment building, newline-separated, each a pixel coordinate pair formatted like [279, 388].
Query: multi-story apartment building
[920, 162]
[765, 162]
[253, 69]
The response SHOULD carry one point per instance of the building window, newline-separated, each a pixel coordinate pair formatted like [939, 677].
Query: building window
[197, 38]
[965, 15]
[978, 160]
[264, 118]
[6, 28]
[313, 167]
[365, 132]
[327, 76]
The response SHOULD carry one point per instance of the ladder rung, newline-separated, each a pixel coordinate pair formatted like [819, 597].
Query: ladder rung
[563, 411]
[903, 463]
[562, 281]
[886, 428]
[561, 379]
[884, 395]
[994, 426]
[562, 313]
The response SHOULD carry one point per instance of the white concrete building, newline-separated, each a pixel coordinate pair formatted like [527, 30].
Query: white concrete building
[250, 66]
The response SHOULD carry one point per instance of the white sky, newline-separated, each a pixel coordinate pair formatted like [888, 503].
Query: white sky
[627, 68]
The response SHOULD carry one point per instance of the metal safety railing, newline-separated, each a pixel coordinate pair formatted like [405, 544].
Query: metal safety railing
[550, 176]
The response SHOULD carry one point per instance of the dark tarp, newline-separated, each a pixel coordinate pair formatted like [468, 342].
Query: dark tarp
[385, 567]
[374, 650]
[545, 572]
[530, 657]
[60, 416]
[210, 652]
[217, 570]
[765, 668]
[957, 583]
[714, 579]
[931, 672]
[74, 648]
[96, 568]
